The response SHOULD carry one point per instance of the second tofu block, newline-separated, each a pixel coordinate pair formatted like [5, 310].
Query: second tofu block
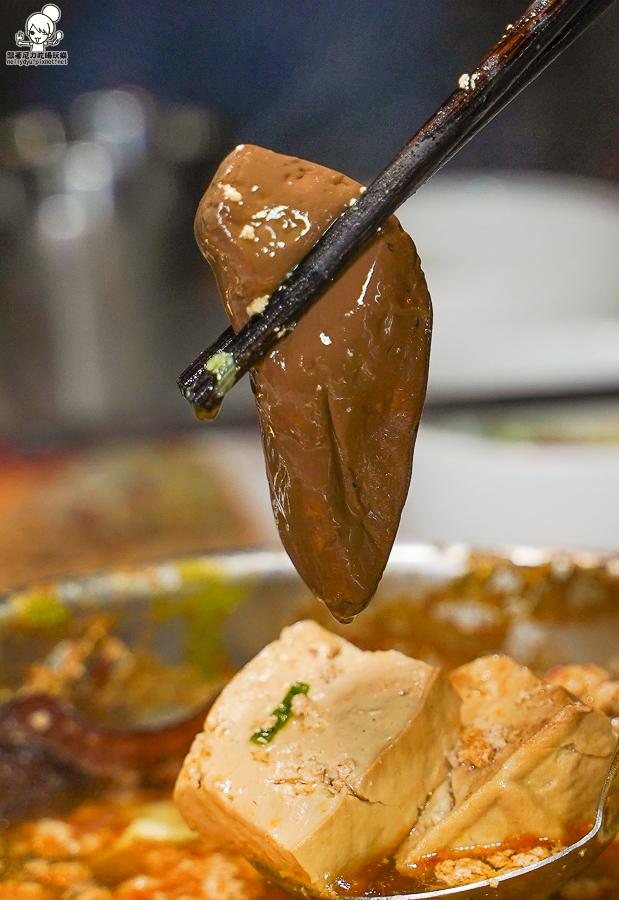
[530, 761]
[342, 782]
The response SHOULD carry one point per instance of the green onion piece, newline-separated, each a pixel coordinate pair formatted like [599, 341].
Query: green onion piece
[282, 713]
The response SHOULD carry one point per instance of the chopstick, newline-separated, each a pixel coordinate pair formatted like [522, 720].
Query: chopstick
[523, 52]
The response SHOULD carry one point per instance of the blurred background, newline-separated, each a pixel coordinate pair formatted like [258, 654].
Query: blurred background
[105, 297]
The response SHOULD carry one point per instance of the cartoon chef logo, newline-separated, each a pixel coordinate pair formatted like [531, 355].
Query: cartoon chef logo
[41, 31]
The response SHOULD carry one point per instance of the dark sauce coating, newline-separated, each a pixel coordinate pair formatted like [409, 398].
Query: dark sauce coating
[340, 397]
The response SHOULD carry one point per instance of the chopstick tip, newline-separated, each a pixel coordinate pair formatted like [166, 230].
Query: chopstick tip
[205, 385]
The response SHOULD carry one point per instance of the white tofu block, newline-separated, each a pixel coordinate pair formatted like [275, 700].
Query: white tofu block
[342, 782]
[531, 760]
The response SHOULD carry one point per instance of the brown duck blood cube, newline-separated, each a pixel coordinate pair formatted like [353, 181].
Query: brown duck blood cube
[343, 780]
[530, 760]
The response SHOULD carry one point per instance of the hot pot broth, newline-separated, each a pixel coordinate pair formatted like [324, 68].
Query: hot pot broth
[193, 620]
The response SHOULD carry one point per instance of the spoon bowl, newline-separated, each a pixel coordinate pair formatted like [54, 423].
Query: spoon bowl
[545, 877]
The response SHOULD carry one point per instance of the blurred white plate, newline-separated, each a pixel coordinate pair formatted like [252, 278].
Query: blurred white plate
[470, 487]
[524, 275]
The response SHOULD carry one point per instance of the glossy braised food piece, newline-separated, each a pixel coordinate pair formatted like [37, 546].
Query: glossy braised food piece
[80, 720]
[326, 791]
[530, 760]
[340, 398]
[49, 752]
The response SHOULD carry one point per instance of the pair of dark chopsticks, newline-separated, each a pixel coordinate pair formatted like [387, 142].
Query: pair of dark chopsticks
[526, 48]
